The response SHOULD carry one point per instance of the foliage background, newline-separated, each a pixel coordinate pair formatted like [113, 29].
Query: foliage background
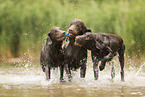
[24, 24]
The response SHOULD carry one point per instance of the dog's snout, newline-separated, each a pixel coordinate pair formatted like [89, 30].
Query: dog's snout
[77, 37]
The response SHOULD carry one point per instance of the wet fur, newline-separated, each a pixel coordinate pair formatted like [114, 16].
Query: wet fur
[75, 57]
[104, 47]
[52, 55]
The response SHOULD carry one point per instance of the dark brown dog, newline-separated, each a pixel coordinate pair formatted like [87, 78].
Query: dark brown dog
[75, 57]
[51, 54]
[104, 47]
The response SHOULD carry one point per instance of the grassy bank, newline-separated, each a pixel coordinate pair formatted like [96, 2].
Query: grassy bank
[25, 23]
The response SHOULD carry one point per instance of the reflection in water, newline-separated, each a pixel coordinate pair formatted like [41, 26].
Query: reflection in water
[28, 80]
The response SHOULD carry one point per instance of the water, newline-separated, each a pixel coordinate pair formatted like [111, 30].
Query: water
[28, 80]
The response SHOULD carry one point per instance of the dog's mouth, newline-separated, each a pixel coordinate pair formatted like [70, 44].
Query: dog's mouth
[71, 35]
[77, 44]
[60, 38]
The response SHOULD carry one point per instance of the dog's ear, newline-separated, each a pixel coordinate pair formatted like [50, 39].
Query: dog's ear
[84, 29]
[88, 30]
[49, 41]
[99, 44]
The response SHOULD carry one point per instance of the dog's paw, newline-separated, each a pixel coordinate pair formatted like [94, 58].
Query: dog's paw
[101, 68]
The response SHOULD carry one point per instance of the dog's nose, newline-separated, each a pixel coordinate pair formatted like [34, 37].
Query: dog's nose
[63, 32]
[70, 30]
[76, 38]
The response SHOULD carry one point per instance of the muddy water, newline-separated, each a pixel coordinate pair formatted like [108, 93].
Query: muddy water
[27, 80]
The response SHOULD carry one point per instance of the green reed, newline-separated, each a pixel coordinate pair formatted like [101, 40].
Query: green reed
[24, 24]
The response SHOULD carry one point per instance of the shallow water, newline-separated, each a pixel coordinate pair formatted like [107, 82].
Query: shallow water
[28, 80]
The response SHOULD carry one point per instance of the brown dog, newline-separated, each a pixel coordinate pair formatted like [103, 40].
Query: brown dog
[51, 54]
[104, 47]
[75, 57]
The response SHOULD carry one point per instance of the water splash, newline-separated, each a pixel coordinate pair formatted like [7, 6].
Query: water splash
[30, 74]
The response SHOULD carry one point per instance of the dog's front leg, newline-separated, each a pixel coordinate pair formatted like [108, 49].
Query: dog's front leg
[112, 69]
[102, 66]
[108, 57]
[68, 72]
[47, 72]
[83, 68]
[61, 72]
[95, 66]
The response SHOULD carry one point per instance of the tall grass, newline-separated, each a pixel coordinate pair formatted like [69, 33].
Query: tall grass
[25, 23]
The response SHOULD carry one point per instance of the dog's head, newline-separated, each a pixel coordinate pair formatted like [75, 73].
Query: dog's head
[93, 41]
[55, 34]
[78, 27]
[86, 40]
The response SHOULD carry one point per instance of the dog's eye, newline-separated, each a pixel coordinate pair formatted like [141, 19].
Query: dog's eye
[87, 37]
[78, 25]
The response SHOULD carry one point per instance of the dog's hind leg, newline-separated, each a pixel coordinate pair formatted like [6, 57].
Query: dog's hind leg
[47, 71]
[42, 63]
[112, 70]
[121, 60]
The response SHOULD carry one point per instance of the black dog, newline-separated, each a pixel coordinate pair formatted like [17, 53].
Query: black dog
[75, 57]
[51, 53]
[104, 47]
